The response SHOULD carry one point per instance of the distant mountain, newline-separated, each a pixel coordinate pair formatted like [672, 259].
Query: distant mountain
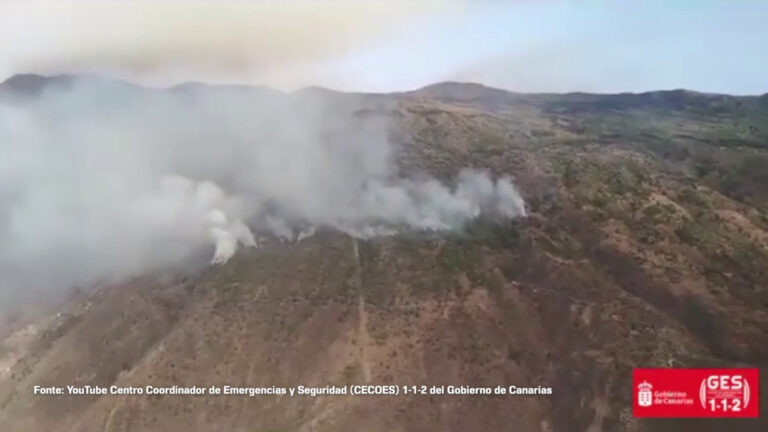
[32, 84]
[198, 87]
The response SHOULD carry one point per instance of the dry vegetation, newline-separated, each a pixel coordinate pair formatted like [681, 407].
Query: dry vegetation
[647, 245]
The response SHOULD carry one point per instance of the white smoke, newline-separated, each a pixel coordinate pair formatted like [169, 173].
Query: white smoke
[206, 209]
[101, 180]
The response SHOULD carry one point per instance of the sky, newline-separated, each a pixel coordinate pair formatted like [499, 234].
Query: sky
[374, 45]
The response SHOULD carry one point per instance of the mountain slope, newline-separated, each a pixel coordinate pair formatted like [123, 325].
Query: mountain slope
[646, 245]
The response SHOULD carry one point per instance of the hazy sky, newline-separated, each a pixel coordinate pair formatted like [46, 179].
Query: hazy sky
[376, 45]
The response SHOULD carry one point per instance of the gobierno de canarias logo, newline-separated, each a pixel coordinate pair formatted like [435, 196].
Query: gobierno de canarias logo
[680, 392]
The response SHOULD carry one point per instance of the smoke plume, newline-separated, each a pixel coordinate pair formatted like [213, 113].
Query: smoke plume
[279, 43]
[102, 180]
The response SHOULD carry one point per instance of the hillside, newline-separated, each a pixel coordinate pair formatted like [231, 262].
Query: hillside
[645, 245]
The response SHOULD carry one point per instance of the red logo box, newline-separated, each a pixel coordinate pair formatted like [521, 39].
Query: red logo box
[672, 392]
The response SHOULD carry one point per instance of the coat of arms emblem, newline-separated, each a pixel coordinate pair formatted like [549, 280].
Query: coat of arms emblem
[644, 395]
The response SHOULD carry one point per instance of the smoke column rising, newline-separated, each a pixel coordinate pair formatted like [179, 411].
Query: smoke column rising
[102, 180]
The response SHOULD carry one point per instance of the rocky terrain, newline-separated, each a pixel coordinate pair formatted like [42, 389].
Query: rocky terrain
[645, 245]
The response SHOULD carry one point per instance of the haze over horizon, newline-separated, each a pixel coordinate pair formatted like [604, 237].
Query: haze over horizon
[377, 46]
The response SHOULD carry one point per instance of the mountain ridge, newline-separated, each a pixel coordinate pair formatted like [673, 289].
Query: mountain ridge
[27, 81]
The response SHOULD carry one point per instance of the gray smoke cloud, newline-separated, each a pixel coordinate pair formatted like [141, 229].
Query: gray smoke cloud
[100, 180]
[279, 43]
